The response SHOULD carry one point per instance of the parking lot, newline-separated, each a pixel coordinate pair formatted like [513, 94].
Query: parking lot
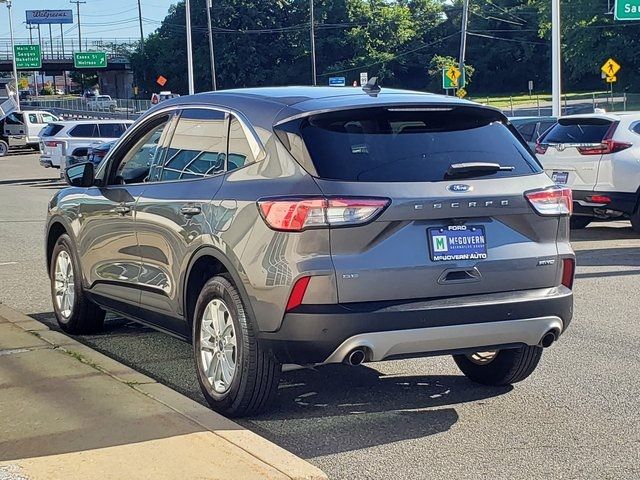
[576, 417]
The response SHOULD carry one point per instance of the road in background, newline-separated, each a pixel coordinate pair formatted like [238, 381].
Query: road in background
[576, 417]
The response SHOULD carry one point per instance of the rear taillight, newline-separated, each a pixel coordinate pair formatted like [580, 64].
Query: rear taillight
[52, 143]
[297, 214]
[551, 201]
[541, 149]
[568, 271]
[608, 144]
[297, 293]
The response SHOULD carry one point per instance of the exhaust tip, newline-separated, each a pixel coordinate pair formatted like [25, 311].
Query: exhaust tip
[548, 339]
[355, 357]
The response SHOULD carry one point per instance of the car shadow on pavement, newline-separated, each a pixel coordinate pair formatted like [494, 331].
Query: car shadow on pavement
[605, 232]
[608, 257]
[318, 411]
[337, 408]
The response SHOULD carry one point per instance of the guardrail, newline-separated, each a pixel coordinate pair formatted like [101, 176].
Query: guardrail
[79, 108]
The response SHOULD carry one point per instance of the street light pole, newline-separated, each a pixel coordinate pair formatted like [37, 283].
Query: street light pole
[13, 52]
[187, 5]
[211, 51]
[556, 60]
[313, 44]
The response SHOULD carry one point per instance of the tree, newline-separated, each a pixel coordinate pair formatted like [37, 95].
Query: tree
[439, 63]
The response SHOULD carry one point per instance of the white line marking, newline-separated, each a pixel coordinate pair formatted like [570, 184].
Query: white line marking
[2, 264]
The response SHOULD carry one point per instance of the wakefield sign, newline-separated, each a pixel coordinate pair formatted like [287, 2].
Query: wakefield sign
[44, 17]
[627, 10]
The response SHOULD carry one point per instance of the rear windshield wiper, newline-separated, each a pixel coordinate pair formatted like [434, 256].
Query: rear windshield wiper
[472, 169]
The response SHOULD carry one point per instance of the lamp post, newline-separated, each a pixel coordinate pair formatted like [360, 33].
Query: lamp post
[211, 51]
[187, 5]
[556, 59]
[13, 51]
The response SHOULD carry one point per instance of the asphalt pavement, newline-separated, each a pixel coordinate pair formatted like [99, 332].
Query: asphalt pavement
[575, 417]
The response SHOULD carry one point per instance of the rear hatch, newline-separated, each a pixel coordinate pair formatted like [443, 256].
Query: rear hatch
[49, 145]
[571, 151]
[446, 231]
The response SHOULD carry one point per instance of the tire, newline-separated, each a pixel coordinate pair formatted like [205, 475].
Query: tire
[635, 221]
[578, 223]
[78, 314]
[4, 148]
[506, 367]
[255, 375]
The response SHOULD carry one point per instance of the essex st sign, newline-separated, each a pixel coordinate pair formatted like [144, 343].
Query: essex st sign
[627, 10]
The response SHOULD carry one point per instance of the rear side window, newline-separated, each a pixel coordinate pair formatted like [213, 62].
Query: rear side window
[111, 130]
[198, 146]
[636, 128]
[51, 130]
[578, 130]
[33, 118]
[240, 153]
[88, 130]
[404, 144]
[46, 118]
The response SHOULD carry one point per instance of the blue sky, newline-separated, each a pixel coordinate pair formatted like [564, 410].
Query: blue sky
[105, 19]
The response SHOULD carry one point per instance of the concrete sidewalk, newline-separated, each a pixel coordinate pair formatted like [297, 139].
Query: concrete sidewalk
[69, 412]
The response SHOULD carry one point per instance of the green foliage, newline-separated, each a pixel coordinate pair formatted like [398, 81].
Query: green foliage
[438, 63]
[400, 41]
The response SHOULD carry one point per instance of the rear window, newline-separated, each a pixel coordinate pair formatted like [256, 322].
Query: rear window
[578, 130]
[51, 130]
[87, 130]
[404, 144]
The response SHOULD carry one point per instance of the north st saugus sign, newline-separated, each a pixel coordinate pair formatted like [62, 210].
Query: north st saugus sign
[627, 10]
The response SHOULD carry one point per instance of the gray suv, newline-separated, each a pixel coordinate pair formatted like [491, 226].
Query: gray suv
[305, 226]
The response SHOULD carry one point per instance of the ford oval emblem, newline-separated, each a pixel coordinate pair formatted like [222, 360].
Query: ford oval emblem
[459, 188]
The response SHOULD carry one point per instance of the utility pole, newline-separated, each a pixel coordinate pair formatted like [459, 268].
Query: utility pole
[313, 44]
[141, 31]
[13, 52]
[35, 74]
[556, 60]
[463, 39]
[211, 51]
[78, 2]
[187, 6]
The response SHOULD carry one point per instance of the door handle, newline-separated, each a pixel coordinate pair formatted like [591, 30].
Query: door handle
[190, 210]
[123, 209]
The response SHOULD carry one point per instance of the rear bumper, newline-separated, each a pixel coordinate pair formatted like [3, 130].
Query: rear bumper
[315, 334]
[45, 162]
[622, 203]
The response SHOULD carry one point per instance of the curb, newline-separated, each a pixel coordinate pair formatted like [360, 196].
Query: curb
[267, 452]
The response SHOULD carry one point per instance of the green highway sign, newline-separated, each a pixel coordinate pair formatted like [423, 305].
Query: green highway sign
[27, 57]
[90, 59]
[627, 10]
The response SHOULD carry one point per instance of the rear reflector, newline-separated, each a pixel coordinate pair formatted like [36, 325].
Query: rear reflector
[568, 270]
[599, 199]
[553, 201]
[298, 214]
[297, 293]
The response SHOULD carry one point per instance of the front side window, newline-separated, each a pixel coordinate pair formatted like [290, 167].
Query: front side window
[48, 118]
[198, 146]
[140, 163]
[111, 130]
[87, 130]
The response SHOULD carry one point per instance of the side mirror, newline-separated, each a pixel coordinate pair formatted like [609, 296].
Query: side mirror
[81, 175]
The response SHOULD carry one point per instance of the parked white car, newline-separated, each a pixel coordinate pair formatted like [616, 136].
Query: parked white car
[598, 156]
[65, 142]
[101, 102]
[22, 129]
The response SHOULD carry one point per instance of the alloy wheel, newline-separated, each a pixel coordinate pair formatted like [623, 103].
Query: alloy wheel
[218, 346]
[64, 284]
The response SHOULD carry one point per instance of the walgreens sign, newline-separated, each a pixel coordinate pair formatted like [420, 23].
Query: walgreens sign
[49, 16]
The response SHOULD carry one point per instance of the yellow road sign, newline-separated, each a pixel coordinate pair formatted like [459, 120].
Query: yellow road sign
[461, 93]
[612, 79]
[610, 68]
[454, 74]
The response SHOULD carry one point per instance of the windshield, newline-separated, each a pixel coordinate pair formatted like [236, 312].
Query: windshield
[408, 144]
